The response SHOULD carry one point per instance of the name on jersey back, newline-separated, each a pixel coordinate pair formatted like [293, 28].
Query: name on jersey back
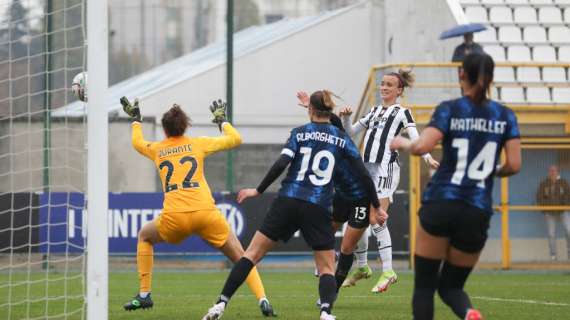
[321, 136]
[478, 124]
[174, 150]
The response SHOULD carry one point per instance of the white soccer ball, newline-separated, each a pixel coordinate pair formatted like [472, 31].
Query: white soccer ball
[79, 86]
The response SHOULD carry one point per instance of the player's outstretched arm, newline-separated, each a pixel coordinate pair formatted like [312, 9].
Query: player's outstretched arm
[230, 138]
[274, 172]
[351, 129]
[414, 135]
[424, 144]
[137, 138]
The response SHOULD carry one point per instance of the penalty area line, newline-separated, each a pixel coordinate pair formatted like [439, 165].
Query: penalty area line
[526, 301]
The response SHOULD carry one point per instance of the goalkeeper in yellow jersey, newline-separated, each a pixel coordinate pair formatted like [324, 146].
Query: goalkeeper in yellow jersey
[188, 206]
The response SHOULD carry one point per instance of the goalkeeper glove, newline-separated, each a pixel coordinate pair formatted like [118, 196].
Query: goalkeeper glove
[218, 109]
[132, 110]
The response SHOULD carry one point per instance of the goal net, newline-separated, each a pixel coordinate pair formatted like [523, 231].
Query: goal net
[42, 160]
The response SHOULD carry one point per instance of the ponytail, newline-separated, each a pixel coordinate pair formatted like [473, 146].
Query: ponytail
[322, 102]
[479, 69]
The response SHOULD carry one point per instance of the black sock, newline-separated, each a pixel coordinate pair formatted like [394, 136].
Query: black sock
[450, 288]
[342, 268]
[327, 292]
[425, 282]
[237, 276]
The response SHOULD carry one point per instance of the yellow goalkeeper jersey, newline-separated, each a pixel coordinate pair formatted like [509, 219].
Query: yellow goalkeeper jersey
[180, 162]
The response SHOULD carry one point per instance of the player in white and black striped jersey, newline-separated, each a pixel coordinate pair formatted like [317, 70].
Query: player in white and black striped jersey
[382, 124]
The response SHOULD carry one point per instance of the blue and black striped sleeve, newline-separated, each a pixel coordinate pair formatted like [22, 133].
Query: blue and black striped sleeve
[512, 131]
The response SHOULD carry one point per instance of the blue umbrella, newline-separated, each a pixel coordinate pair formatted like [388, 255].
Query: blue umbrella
[462, 29]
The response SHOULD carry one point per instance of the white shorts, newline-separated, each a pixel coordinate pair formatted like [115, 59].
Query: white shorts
[386, 178]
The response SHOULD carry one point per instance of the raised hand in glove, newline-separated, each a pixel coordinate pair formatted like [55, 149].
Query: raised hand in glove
[218, 109]
[132, 110]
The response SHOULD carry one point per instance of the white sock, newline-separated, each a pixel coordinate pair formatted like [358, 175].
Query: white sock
[263, 299]
[143, 294]
[384, 245]
[361, 251]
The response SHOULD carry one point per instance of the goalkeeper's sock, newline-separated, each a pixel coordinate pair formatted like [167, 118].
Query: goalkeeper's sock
[145, 257]
[254, 283]
[237, 276]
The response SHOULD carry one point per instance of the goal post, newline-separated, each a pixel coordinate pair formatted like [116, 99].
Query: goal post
[43, 161]
[97, 160]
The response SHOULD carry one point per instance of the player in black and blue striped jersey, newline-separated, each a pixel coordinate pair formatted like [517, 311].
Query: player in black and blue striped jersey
[456, 205]
[314, 153]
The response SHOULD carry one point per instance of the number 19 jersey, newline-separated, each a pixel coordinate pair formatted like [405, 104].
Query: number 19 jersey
[180, 162]
[473, 137]
[317, 151]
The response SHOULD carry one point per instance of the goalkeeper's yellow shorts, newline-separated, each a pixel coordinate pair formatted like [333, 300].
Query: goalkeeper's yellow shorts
[210, 225]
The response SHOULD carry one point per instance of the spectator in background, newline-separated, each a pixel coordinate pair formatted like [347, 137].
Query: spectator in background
[467, 47]
[555, 191]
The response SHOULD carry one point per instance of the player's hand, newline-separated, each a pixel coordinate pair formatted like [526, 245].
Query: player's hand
[218, 109]
[246, 193]
[346, 111]
[377, 215]
[400, 143]
[132, 110]
[304, 99]
[433, 164]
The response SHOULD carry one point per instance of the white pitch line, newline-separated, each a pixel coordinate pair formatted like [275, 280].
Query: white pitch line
[546, 303]
[524, 301]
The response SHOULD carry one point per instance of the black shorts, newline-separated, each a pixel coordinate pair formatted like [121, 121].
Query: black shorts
[356, 212]
[465, 225]
[287, 215]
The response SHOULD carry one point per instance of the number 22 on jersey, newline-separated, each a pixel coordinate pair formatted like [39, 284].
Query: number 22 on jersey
[187, 182]
[480, 167]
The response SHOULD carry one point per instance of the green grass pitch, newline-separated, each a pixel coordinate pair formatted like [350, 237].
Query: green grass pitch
[187, 295]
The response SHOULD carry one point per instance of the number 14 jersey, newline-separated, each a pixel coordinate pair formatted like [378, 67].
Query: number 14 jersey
[473, 137]
[180, 162]
[318, 150]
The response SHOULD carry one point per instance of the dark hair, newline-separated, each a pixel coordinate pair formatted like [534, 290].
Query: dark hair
[175, 121]
[322, 103]
[479, 69]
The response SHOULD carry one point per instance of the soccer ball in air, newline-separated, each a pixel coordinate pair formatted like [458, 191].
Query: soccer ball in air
[79, 86]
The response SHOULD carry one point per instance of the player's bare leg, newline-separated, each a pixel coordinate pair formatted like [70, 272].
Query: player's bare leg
[336, 226]
[257, 249]
[148, 236]
[234, 251]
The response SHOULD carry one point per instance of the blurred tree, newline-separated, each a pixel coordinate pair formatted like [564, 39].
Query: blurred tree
[246, 14]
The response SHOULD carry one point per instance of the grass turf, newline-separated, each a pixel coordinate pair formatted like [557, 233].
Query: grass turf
[188, 295]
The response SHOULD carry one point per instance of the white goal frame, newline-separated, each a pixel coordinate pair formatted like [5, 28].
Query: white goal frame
[97, 283]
